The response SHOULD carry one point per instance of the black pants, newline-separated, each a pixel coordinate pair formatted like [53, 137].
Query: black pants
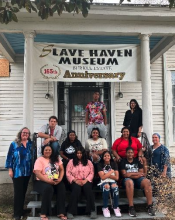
[47, 191]
[20, 185]
[76, 191]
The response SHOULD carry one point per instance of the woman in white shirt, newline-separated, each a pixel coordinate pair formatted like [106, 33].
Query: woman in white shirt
[95, 145]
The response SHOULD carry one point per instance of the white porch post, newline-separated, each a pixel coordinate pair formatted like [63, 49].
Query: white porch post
[146, 86]
[28, 81]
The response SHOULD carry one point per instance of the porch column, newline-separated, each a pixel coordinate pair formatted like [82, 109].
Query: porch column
[28, 81]
[146, 86]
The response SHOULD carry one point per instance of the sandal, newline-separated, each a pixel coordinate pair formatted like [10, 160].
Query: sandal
[62, 217]
[43, 218]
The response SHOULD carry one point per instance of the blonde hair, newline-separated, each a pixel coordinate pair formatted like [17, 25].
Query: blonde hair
[18, 136]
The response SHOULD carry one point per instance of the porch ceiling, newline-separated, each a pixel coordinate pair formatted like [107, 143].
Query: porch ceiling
[16, 41]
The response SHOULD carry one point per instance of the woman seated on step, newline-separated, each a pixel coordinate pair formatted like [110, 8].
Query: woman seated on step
[68, 147]
[126, 140]
[80, 173]
[67, 151]
[108, 172]
[49, 172]
[95, 146]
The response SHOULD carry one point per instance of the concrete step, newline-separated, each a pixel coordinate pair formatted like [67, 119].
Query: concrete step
[5, 178]
[122, 193]
[122, 201]
[2, 159]
[125, 216]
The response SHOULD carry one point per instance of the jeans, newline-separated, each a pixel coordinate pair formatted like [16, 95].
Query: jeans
[113, 190]
[136, 182]
[55, 146]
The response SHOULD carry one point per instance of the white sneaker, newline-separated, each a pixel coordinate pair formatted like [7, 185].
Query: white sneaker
[117, 212]
[106, 212]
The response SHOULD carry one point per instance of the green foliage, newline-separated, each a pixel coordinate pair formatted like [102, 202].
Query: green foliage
[171, 3]
[44, 8]
[47, 8]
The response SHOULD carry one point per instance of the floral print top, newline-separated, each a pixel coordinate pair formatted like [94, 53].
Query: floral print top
[161, 157]
[95, 110]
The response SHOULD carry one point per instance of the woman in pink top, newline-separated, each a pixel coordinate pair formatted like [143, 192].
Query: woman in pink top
[49, 172]
[80, 173]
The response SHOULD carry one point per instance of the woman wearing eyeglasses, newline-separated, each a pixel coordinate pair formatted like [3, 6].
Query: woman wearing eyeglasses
[95, 145]
[19, 164]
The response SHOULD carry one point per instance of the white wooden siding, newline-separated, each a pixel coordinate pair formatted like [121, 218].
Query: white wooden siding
[158, 98]
[43, 108]
[170, 58]
[11, 102]
[170, 66]
[11, 105]
[130, 90]
[133, 90]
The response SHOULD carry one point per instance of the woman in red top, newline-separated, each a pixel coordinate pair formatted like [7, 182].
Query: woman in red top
[126, 140]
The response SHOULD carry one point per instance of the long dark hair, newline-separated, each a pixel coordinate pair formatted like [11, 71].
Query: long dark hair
[95, 129]
[130, 141]
[102, 160]
[18, 136]
[84, 159]
[137, 107]
[53, 157]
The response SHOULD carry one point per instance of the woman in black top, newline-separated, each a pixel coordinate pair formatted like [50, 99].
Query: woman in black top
[133, 119]
[67, 152]
[68, 147]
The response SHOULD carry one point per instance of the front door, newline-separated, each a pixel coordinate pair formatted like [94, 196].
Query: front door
[78, 101]
[71, 111]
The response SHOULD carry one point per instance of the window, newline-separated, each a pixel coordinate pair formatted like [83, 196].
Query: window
[173, 101]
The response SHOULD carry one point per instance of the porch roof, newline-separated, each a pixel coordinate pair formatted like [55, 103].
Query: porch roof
[16, 40]
[105, 24]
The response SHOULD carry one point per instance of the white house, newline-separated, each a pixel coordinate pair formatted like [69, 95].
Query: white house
[22, 95]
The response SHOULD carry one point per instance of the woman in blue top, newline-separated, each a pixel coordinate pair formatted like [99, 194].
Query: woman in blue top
[160, 156]
[19, 164]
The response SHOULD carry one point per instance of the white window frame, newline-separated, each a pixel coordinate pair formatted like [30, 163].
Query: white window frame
[168, 104]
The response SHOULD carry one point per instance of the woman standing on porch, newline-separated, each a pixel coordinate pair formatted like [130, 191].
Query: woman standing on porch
[19, 163]
[133, 119]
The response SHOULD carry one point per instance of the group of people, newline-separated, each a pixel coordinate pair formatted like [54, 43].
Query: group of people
[75, 166]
